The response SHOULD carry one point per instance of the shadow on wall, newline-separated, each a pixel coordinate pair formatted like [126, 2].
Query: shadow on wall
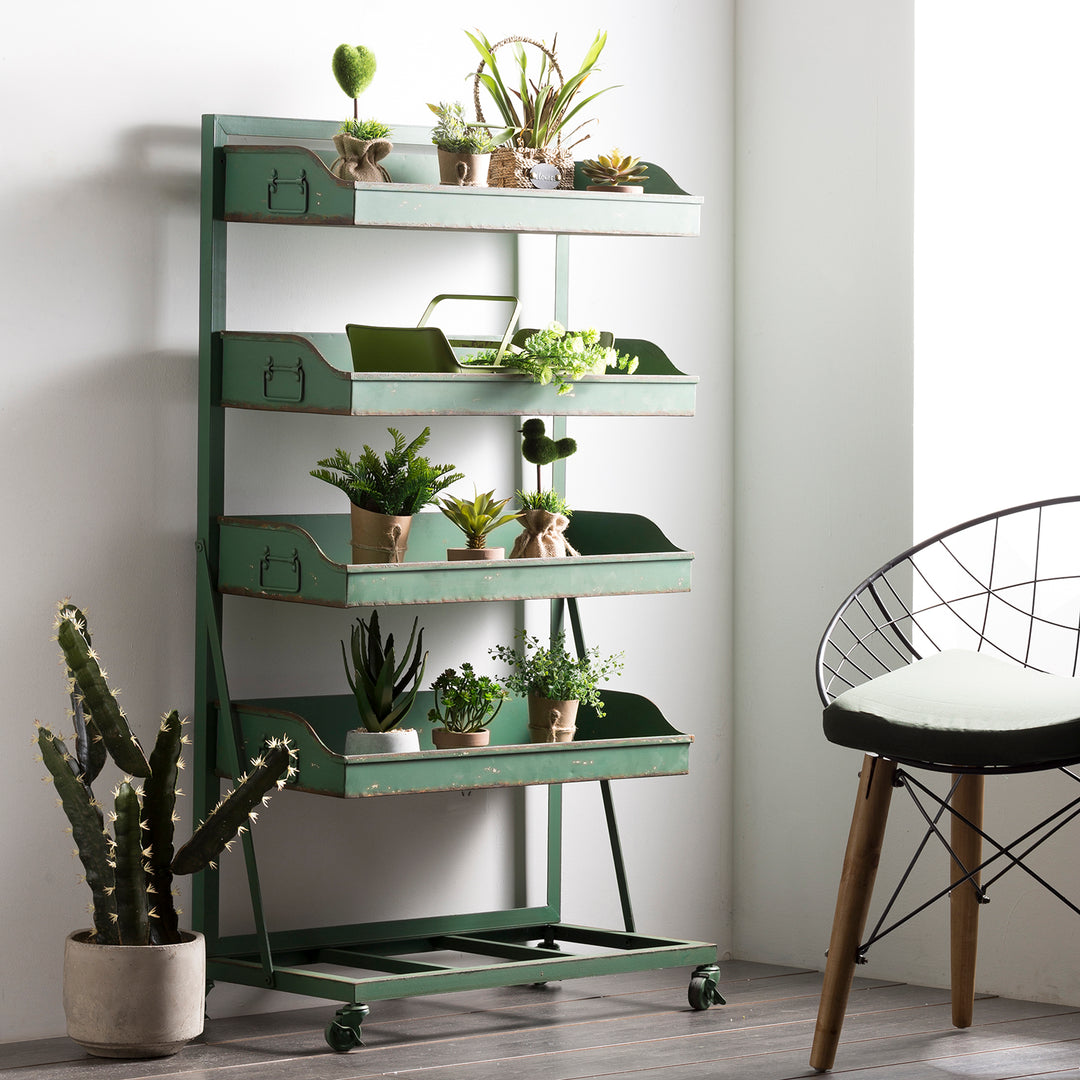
[102, 417]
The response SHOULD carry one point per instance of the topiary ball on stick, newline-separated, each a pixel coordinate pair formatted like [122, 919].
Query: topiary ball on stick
[538, 448]
[354, 68]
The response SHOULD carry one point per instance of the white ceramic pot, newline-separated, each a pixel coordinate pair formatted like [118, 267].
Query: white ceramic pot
[395, 741]
[134, 1001]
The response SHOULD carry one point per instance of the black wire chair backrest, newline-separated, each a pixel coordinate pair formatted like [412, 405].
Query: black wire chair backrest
[1007, 584]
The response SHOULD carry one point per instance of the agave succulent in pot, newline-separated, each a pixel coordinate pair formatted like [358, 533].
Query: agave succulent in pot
[134, 982]
[616, 172]
[476, 518]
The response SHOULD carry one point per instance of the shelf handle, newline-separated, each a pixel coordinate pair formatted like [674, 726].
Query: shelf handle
[279, 573]
[291, 196]
[290, 381]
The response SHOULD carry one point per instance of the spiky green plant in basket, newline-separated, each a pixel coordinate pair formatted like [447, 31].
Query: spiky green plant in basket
[477, 517]
[615, 169]
[384, 689]
[130, 871]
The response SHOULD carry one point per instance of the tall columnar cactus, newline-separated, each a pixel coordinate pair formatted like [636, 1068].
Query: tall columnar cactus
[130, 871]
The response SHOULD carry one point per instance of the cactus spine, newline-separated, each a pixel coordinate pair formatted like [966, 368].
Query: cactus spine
[130, 873]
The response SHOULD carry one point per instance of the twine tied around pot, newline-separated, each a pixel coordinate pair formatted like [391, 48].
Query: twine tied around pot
[552, 721]
[542, 536]
[511, 166]
[379, 538]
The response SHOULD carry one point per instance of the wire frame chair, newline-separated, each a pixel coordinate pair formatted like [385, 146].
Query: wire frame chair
[1007, 586]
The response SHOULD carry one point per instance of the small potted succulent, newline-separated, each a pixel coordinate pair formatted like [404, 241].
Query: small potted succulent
[135, 983]
[385, 690]
[616, 172]
[385, 492]
[476, 518]
[361, 144]
[555, 683]
[464, 148]
[465, 704]
[557, 355]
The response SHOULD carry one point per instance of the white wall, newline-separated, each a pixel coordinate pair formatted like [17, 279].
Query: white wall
[98, 427]
[997, 227]
[823, 407]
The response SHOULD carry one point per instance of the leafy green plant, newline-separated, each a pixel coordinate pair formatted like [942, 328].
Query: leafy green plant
[455, 134]
[615, 169]
[384, 689]
[364, 129]
[399, 483]
[558, 355]
[465, 701]
[536, 112]
[354, 68]
[549, 671]
[130, 870]
[551, 501]
[477, 517]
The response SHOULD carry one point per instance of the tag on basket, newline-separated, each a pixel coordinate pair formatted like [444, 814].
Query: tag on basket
[544, 176]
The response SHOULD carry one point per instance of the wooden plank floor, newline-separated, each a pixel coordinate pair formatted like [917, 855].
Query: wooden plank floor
[635, 1025]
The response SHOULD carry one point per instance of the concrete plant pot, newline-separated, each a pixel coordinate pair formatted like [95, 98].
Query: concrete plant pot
[362, 742]
[134, 1001]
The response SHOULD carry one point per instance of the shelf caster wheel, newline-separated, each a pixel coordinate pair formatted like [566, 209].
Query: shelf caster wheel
[702, 991]
[343, 1032]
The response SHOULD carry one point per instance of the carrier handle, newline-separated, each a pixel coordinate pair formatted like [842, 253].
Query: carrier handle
[511, 323]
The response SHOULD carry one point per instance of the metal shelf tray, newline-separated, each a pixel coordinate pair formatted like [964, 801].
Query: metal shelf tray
[633, 739]
[278, 171]
[313, 373]
[305, 559]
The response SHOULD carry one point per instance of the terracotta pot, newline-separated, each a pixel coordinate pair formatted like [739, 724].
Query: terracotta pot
[362, 742]
[379, 538]
[134, 1001]
[463, 170]
[457, 740]
[619, 189]
[466, 554]
[552, 721]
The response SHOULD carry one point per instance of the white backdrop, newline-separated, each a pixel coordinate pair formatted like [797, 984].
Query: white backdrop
[97, 423]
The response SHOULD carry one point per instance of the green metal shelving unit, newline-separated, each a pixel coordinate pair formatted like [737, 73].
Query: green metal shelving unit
[263, 170]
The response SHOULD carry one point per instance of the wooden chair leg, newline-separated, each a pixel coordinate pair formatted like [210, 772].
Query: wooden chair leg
[964, 902]
[852, 903]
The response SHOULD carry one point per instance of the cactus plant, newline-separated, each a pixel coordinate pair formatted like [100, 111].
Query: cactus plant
[130, 871]
[383, 694]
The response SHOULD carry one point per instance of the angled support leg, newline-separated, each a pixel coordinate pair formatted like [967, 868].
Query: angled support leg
[964, 900]
[852, 903]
